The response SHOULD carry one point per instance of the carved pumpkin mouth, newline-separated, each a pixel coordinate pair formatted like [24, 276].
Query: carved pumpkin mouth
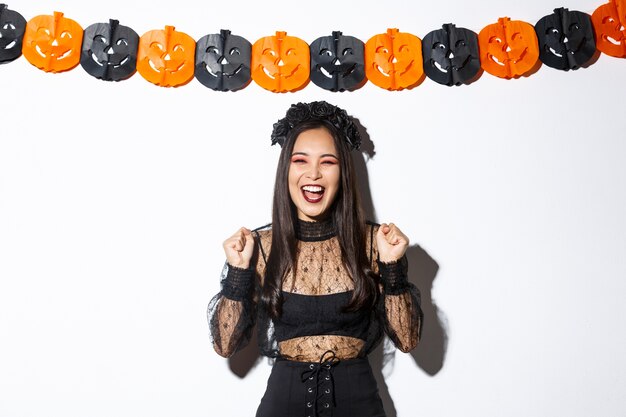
[217, 74]
[11, 45]
[53, 53]
[341, 69]
[110, 64]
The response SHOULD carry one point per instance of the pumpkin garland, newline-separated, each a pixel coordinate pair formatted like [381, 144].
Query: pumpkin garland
[452, 56]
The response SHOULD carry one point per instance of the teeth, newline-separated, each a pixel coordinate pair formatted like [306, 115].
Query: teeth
[313, 188]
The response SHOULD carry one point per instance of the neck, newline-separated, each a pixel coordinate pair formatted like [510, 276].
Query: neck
[312, 231]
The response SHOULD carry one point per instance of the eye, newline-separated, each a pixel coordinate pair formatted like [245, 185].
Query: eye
[329, 162]
[234, 51]
[9, 26]
[348, 51]
[552, 31]
[326, 52]
[574, 26]
[439, 45]
[100, 38]
[459, 43]
[212, 50]
[298, 160]
[122, 41]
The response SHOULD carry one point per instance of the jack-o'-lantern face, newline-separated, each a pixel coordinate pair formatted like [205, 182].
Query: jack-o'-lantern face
[393, 60]
[12, 27]
[223, 61]
[608, 22]
[451, 55]
[337, 62]
[281, 63]
[166, 57]
[52, 43]
[566, 39]
[109, 51]
[508, 48]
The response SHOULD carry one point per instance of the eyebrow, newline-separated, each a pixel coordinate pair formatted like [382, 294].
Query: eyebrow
[321, 156]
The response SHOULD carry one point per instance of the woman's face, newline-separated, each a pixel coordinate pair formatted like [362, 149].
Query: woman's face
[314, 174]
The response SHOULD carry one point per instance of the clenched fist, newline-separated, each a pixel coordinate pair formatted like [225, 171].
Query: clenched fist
[391, 242]
[239, 248]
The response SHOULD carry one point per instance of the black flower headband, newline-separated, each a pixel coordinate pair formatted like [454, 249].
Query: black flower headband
[316, 110]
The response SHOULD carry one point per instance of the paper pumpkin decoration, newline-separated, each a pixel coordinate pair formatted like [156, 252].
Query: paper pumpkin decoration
[52, 43]
[566, 39]
[281, 63]
[166, 57]
[393, 60]
[608, 22]
[509, 48]
[451, 55]
[109, 51]
[338, 62]
[12, 27]
[223, 61]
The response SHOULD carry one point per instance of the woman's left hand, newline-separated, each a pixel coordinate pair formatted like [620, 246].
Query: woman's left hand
[391, 242]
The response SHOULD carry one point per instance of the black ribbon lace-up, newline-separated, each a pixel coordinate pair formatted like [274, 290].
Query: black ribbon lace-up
[319, 384]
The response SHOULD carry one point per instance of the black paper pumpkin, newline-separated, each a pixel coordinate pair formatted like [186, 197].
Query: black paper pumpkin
[223, 61]
[451, 55]
[566, 39]
[109, 51]
[338, 62]
[12, 27]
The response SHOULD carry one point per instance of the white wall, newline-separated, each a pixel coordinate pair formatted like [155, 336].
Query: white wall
[115, 198]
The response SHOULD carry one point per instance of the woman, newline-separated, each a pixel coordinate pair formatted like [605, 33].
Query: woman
[321, 284]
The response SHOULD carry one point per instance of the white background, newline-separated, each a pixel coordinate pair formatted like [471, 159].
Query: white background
[115, 199]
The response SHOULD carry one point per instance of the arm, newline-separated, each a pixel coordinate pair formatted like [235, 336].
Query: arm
[399, 308]
[231, 313]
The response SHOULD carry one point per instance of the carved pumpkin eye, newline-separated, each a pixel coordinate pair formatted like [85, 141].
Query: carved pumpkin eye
[121, 42]
[326, 52]
[234, 51]
[8, 26]
[348, 51]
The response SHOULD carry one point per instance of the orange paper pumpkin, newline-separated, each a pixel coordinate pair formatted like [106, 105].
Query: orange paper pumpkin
[52, 43]
[509, 48]
[166, 57]
[608, 22]
[281, 63]
[393, 60]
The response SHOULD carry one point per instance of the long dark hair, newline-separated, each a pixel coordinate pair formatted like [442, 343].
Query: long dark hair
[346, 213]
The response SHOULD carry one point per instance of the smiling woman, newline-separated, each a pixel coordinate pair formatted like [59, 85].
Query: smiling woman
[321, 283]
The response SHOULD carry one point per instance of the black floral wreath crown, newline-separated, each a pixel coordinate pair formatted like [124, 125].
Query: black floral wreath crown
[316, 110]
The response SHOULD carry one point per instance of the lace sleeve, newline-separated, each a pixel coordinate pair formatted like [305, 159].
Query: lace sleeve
[231, 313]
[399, 308]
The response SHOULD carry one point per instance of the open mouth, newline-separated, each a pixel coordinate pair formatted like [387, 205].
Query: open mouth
[312, 193]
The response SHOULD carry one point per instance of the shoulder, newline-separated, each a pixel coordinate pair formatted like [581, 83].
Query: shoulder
[263, 236]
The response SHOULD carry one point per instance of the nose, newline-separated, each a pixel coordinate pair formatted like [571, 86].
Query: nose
[314, 173]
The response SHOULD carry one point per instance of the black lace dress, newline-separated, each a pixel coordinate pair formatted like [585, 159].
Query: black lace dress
[313, 333]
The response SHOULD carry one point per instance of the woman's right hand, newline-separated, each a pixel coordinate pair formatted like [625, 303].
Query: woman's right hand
[239, 248]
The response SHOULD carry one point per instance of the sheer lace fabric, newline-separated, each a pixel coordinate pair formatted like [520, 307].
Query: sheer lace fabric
[311, 303]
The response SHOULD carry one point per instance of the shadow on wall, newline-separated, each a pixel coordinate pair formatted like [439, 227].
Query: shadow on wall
[430, 353]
